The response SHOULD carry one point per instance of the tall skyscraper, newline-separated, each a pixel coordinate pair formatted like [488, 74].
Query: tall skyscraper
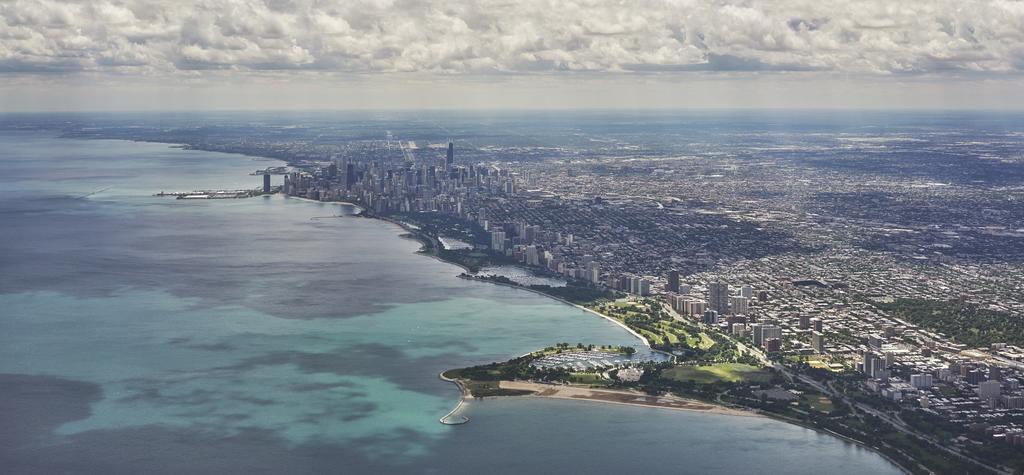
[266, 183]
[449, 158]
[350, 175]
[718, 297]
[673, 281]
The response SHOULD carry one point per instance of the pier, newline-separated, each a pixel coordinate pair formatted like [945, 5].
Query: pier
[452, 418]
[210, 194]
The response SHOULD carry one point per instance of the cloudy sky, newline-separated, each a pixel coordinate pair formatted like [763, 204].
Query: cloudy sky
[241, 54]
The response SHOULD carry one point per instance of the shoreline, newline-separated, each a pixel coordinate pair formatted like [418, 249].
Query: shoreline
[624, 398]
[717, 409]
[640, 337]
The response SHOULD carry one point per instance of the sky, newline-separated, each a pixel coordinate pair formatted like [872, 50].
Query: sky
[493, 54]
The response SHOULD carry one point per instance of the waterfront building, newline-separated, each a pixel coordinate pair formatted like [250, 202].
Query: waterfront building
[498, 241]
[532, 256]
[593, 272]
[266, 183]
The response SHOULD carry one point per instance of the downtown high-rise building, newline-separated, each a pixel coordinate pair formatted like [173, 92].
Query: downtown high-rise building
[449, 158]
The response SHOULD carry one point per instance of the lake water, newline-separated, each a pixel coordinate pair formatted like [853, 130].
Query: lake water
[151, 335]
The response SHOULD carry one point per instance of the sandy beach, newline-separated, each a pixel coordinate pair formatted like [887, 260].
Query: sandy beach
[630, 398]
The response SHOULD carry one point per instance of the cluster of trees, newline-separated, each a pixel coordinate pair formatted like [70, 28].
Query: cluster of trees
[439, 224]
[518, 368]
[577, 294]
[964, 322]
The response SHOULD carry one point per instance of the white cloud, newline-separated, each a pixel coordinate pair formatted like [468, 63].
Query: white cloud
[155, 37]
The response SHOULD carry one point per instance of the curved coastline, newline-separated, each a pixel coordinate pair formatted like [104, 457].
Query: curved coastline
[725, 411]
[418, 235]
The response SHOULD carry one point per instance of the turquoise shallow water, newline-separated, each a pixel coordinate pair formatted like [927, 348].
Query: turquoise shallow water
[142, 334]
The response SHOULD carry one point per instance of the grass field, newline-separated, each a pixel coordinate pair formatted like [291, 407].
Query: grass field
[818, 403]
[588, 379]
[728, 372]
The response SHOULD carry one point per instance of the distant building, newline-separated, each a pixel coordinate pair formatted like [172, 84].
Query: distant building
[867, 364]
[449, 158]
[718, 297]
[673, 281]
[630, 374]
[738, 304]
[816, 324]
[266, 183]
[498, 241]
[747, 292]
[805, 321]
[989, 389]
[771, 332]
[645, 287]
[593, 272]
[921, 381]
[755, 334]
[710, 317]
[818, 342]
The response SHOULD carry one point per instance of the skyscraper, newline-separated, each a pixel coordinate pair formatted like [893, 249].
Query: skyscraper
[350, 175]
[718, 297]
[449, 158]
[673, 281]
[266, 183]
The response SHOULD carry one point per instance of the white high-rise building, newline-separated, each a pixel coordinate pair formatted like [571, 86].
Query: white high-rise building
[498, 241]
[532, 256]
